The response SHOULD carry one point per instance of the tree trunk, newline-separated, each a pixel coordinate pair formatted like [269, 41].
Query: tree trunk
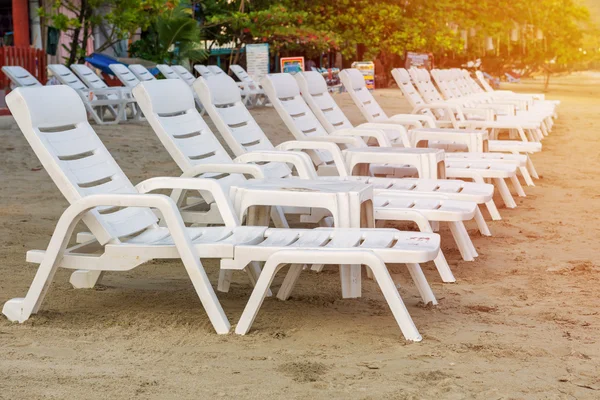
[87, 29]
[546, 80]
[75, 43]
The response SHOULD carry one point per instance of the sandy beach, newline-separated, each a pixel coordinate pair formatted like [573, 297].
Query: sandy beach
[522, 322]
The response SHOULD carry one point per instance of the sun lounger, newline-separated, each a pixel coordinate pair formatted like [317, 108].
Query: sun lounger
[20, 77]
[97, 101]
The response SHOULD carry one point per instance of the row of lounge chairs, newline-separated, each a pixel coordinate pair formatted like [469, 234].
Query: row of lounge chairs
[429, 167]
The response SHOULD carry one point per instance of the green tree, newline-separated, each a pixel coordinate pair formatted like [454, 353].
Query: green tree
[173, 38]
[123, 17]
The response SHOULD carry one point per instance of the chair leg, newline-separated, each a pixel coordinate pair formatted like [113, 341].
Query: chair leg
[493, 210]
[526, 176]
[84, 279]
[461, 227]
[278, 218]
[531, 168]
[388, 288]
[443, 268]
[421, 283]
[289, 282]
[517, 185]
[481, 224]
[505, 193]
[463, 247]
[225, 276]
[257, 297]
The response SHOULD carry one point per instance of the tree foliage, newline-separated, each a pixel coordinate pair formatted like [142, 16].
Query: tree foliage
[121, 17]
[174, 37]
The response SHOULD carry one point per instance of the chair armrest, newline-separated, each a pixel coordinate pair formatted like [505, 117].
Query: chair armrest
[487, 113]
[331, 148]
[301, 161]
[379, 135]
[390, 125]
[179, 185]
[338, 140]
[227, 168]
[426, 121]
[73, 214]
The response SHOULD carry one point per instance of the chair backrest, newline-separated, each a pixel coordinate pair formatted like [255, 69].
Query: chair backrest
[66, 76]
[141, 72]
[426, 88]
[475, 88]
[443, 86]
[314, 91]
[167, 71]
[124, 74]
[184, 74]
[354, 82]
[89, 77]
[461, 82]
[483, 82]
[169, 108]
[222, 100]
[54, 122]
[243, 76]
[402, 78]
[203, 70]
[215, 69]
[20, 76]
[284, 93]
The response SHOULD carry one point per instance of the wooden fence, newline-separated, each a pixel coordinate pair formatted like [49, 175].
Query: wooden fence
[33, 60]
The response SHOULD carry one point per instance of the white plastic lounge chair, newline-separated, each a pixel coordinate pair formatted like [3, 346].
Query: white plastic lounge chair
[184, 74]
[202, 70]
[124, 75]
[20, 77]
[253, 89]
[141, 72]
[245, 137]
[212, 70]
[170, 73]
[126, 233]
[97, 101]
[93, 81]
[201, 150]
[446, 114]
[167, 71]
[215, 69]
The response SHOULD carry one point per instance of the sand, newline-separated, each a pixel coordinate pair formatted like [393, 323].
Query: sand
[521, 323]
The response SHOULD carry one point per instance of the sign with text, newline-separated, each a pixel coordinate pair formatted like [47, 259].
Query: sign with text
[291, 64]
[418, 60]
[257, 60]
